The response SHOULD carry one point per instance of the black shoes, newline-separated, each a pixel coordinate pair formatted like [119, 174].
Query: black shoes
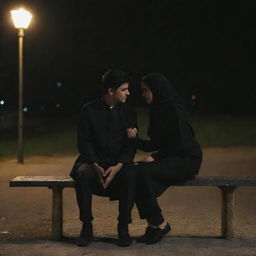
[153, 235]
[124, 238]
[86, 235]
[144, 238]
[157, 234]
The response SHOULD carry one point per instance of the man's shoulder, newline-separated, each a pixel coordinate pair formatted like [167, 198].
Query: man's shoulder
[91, 105]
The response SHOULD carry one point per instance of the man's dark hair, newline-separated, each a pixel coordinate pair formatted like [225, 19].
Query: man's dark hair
[113, 78]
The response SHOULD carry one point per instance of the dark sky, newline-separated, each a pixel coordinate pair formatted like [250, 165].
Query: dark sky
[204, 48]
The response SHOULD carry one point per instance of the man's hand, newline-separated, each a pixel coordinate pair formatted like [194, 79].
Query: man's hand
[148, 159]
[131, 132]
[110, 173]
[101, 173]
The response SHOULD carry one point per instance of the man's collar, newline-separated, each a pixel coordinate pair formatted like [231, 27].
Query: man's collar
[102, 99]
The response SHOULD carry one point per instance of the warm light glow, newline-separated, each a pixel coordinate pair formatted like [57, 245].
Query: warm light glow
[21, 18]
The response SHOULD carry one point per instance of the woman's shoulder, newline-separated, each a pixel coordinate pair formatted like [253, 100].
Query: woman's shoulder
[167, 108]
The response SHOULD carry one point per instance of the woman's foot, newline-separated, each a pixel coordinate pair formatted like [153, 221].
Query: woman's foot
[158, 233]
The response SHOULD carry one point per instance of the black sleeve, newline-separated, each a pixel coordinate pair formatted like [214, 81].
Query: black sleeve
[145, 145]
[165, 137]
[129, 149]
[168, 136]
[84, 138]
[128, 152]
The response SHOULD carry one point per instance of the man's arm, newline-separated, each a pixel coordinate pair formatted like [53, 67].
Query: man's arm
[128, 150]
[84, 138]
[101, 173]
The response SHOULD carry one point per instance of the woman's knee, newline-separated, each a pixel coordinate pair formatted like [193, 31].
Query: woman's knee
[143, 171]
[130, 175]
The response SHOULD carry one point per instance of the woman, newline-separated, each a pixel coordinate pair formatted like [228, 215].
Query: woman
[177, 155]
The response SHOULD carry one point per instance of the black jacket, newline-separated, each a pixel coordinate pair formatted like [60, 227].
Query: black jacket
[169, 129]
[102, 134]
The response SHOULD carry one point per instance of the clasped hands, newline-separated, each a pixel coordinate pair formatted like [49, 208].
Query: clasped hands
[106, 176]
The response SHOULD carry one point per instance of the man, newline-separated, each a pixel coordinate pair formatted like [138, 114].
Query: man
[106, 154]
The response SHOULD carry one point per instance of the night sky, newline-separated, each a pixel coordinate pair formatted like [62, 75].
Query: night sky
[205, 49]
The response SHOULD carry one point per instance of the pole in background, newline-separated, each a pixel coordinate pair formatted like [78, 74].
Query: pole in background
[21, 19]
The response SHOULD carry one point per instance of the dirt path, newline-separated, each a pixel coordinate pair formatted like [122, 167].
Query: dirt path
[194, 213]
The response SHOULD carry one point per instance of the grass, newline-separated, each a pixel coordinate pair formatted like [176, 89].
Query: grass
[58, 136]
[216, 130]
[43, 137]
[225, 131]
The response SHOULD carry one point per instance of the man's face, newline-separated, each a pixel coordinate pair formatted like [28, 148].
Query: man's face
[146, 93]
[121, 93]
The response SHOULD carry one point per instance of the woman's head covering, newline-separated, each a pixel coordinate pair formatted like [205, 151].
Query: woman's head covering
[161, 88]
[163, 91]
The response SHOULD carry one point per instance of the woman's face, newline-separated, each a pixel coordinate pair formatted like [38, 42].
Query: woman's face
[146, 93]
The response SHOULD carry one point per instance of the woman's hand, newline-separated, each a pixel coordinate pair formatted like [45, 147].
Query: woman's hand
[131, 132]
[148, 159]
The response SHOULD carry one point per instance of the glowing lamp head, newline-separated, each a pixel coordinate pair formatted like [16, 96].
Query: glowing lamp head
[21, 18]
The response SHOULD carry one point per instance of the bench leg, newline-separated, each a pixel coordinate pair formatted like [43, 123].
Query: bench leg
[57, 212]
[227, 213]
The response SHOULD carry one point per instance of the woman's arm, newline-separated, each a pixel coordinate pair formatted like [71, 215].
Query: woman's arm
[144, 145]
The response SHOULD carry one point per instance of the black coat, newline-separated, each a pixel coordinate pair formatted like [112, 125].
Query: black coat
[170, 133]
[177, 154]
[102, 134]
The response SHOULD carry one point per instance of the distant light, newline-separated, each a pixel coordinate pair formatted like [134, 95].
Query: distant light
[193, 97]
[59, 84]
[57, 105]
[21, 18]
[25, 109]
[2, 102]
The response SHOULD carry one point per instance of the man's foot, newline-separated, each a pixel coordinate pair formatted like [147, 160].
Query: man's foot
[146, 236]
[124, 238]
[86, 235]
[157, 234]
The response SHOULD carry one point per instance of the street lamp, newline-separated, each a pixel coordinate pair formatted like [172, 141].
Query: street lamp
[21, 19]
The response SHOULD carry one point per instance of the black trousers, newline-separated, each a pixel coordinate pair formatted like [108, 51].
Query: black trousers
[121, 188]
[155, 177]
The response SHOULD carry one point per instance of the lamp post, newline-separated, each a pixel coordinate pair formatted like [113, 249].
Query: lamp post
[21, 19]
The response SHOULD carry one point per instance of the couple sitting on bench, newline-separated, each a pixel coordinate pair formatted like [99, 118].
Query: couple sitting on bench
[107, 143]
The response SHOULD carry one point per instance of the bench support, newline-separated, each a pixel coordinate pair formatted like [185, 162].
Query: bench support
[227, 212]
[57, 212]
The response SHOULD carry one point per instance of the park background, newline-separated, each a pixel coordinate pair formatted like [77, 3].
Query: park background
[207, 50]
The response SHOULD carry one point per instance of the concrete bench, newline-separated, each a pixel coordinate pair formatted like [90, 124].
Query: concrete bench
[58, 183]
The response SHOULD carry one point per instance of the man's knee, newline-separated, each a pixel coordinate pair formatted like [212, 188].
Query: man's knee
[85, 172]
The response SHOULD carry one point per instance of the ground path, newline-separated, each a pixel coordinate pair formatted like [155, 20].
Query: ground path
[194, 213]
